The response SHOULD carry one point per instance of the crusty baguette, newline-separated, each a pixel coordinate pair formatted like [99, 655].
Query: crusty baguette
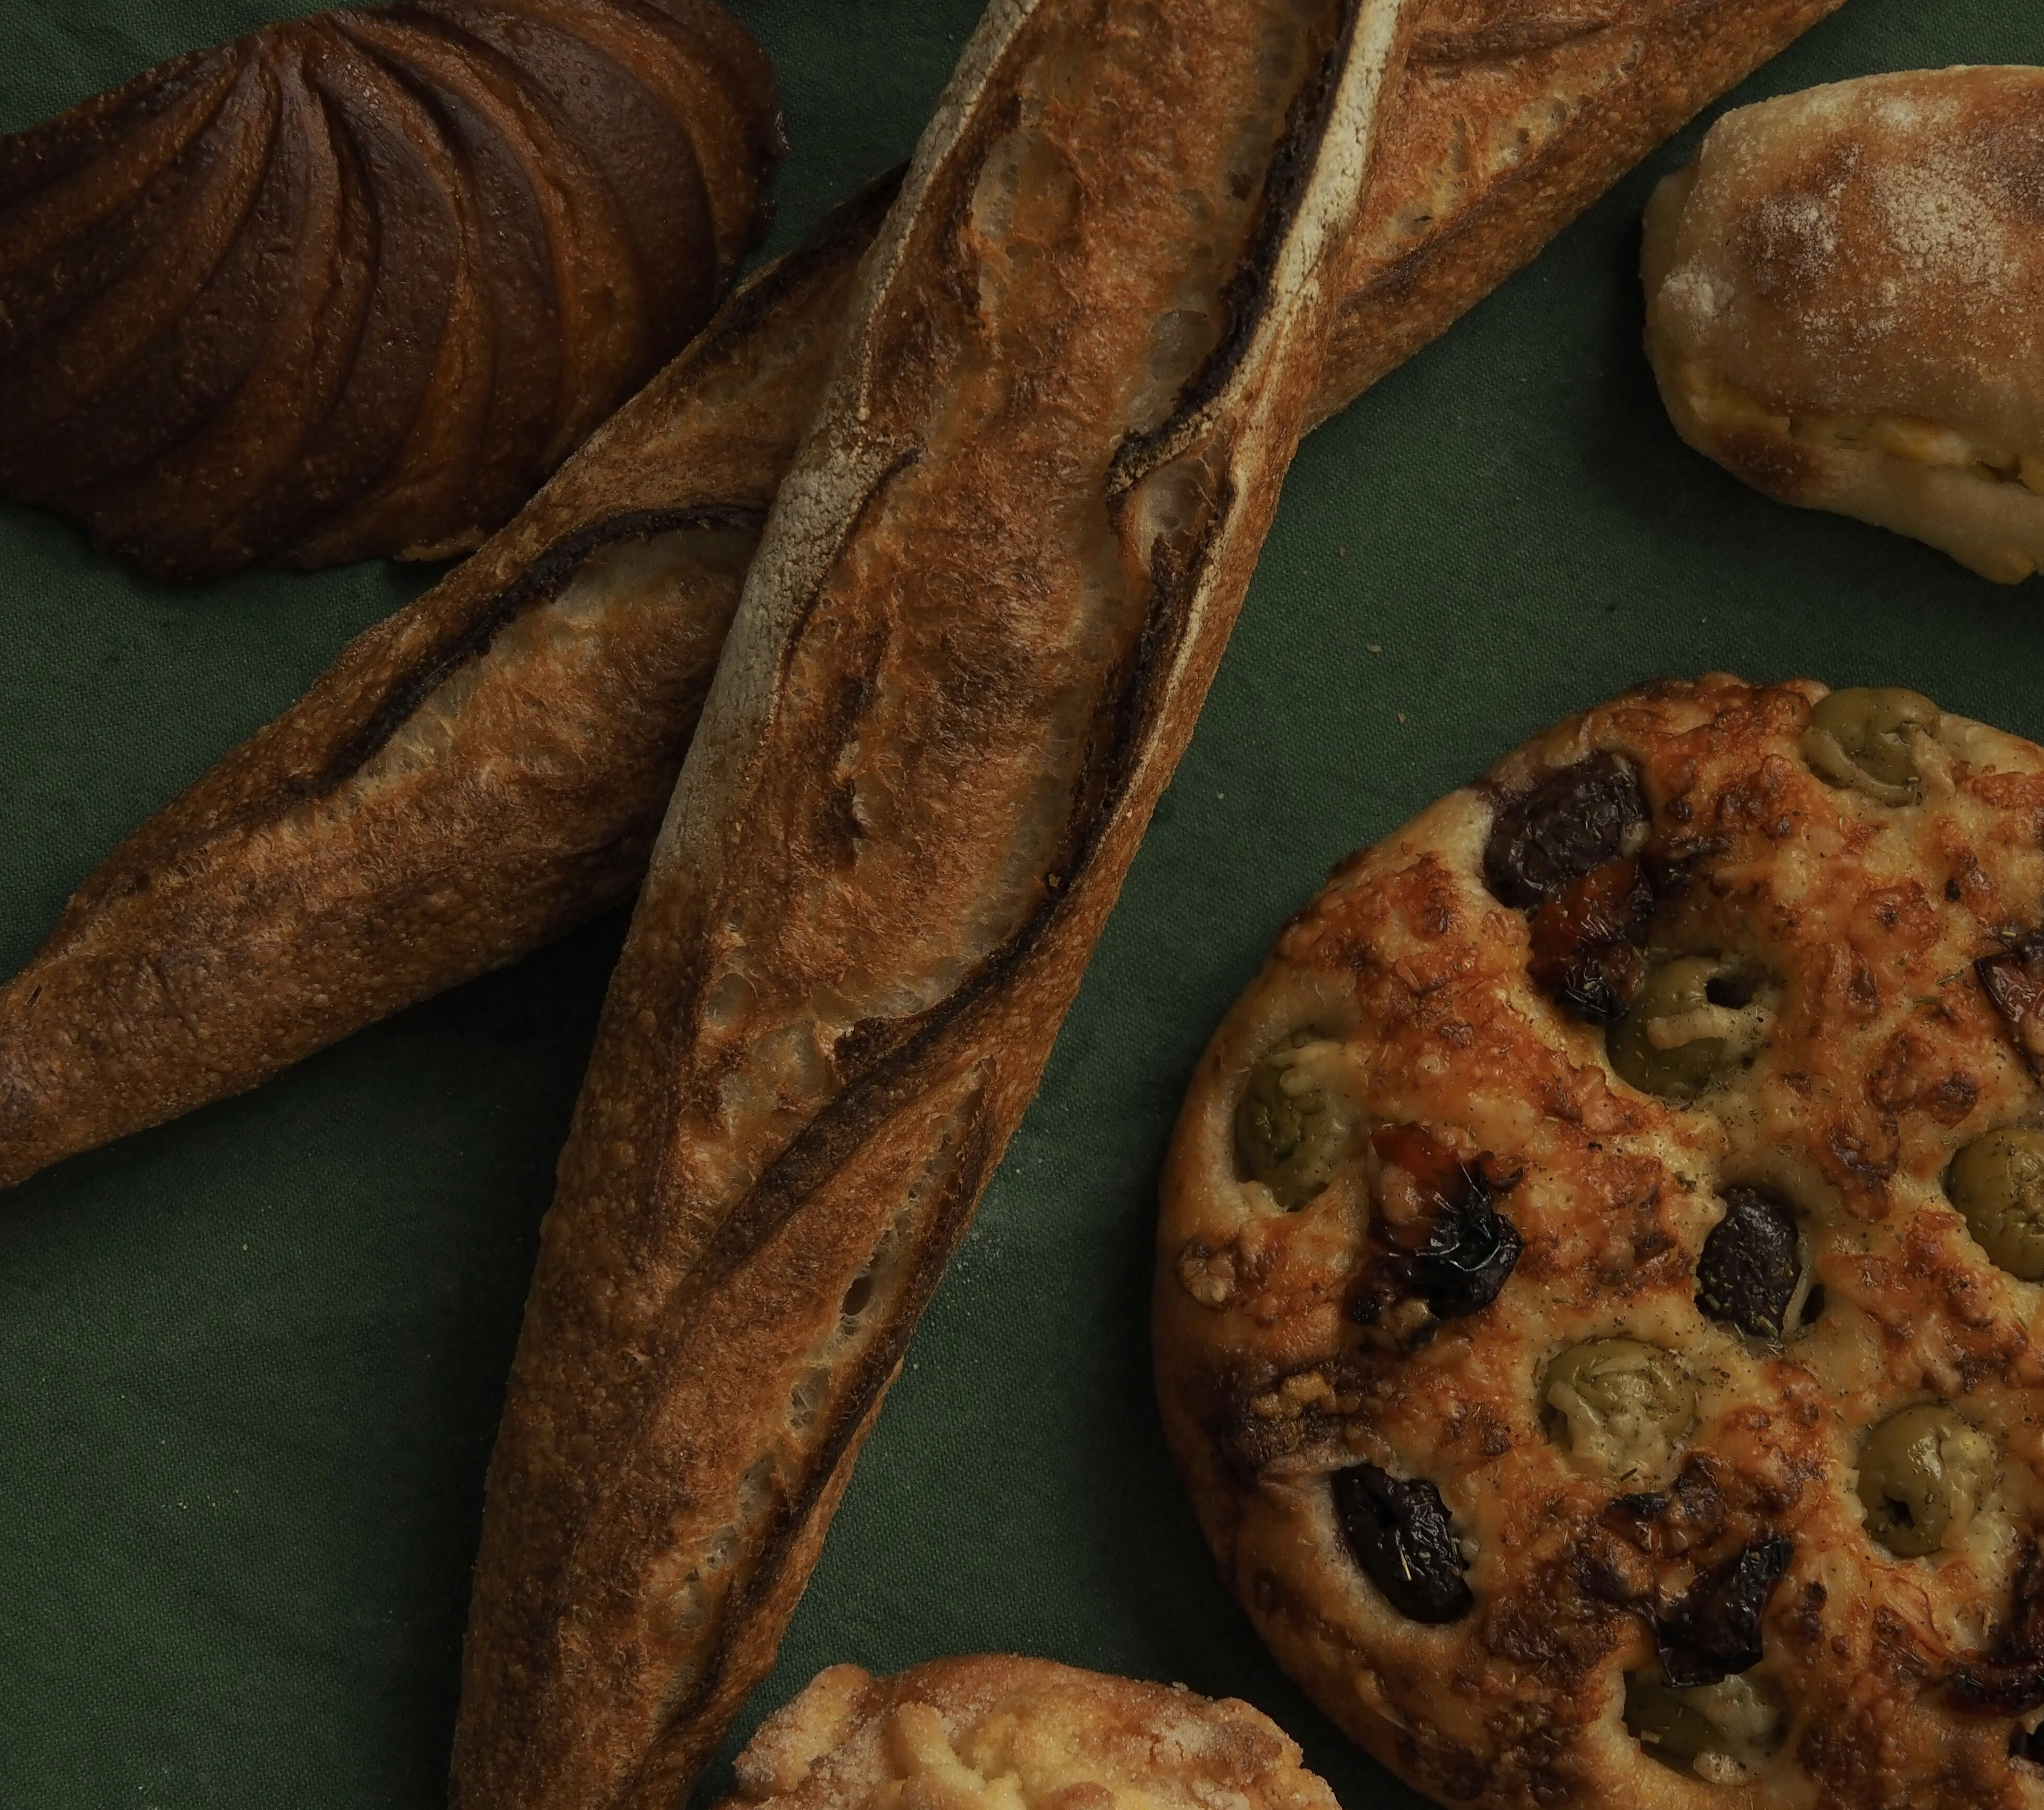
[983, 616]
[472, 778]
[282, 903]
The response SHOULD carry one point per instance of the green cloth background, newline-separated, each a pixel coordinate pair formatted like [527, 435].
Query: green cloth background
[250, 1364]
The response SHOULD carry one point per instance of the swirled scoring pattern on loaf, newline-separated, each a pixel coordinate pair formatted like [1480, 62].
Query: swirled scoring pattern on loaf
[354, 285]
[1596, 1302]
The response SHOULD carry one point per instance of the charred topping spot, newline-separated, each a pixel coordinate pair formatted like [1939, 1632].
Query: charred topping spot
[1585, 940]
[1573, 821]
[2013, 981]
[1753, 1267]
[1714, 1631]
[2011, 1681]
[1401, 1536]
[1447, 1250]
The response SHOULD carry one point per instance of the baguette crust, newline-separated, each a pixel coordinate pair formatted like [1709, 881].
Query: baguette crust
[986, 608]
[477, 774]
[276, 907]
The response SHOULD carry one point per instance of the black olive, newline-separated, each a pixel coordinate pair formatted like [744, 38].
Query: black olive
[1714, 1630]
[1400, 1534]
[1572, 821]
[2027, 1744]
[1752, 1265]
[1456, 1253]
[2010, 1680]
[2013, 981]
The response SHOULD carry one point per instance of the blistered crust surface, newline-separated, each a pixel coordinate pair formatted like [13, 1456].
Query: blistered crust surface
[1010, 1733]
[1846, 304]
[1881, 1058]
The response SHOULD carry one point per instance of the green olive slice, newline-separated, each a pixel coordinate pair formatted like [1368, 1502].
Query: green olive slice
[1718, 1732]
[1619, 1407]
[1865, 739]
[1923, 1474]
[1997, 1183]
[1291, 1134]
[1692, 1022]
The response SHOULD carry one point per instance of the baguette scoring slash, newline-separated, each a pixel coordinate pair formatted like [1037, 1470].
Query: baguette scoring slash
[983, 616]
[484, 771]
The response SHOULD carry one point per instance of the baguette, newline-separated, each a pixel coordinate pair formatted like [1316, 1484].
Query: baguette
[484, 770]
[985, 610]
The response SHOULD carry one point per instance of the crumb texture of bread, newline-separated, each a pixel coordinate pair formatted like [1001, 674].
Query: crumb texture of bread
[1845, 305]
[1569, 1318]
[996, 1733]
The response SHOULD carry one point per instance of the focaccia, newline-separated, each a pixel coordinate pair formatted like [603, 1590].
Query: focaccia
[536, 704]
[1845, 305]
[982, 618]
[1597, 1294]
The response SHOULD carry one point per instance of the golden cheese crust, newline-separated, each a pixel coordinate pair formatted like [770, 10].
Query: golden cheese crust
[1845, 305]
[1326, 1370]
[1010, 1734]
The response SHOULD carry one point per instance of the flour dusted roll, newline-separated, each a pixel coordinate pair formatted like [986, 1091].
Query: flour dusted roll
[1845, 305]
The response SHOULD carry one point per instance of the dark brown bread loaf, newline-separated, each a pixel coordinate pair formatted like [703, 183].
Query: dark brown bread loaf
[355, 283]
[982, 618]
[282, 903]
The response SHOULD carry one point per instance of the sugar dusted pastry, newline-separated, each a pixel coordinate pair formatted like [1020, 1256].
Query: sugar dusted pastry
[1845, 305]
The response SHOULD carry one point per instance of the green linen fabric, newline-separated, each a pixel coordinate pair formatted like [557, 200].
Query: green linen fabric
[250, 1364]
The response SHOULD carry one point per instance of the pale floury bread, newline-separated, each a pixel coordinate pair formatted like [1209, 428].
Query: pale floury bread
[996, 1733]
[1845, 305]
[1597, 1294]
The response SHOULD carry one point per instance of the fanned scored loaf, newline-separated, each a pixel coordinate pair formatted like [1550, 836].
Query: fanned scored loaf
[995, 1733]
[984, 613]
[1845, 305]
[537, 712]
[1597, 1303]
[355, 283]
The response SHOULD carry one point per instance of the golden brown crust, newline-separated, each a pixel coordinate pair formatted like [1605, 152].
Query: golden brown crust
[202, 376]
[1515, 116]
[508, 856]
[1844, 291]
[1882, 1056]
[468, 781]
[1022, 1733]
[987, 605]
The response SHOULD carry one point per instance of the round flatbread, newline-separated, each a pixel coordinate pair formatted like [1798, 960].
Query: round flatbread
[1596, 1307]
[1012, 1733]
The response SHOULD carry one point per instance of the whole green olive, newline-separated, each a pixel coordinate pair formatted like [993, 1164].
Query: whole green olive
[1997, 1183]
[1290, 1134]
[1672, 1040]
[1922, 1475]
[1619, 1407]
[1717, 1731]
[1865, 739]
